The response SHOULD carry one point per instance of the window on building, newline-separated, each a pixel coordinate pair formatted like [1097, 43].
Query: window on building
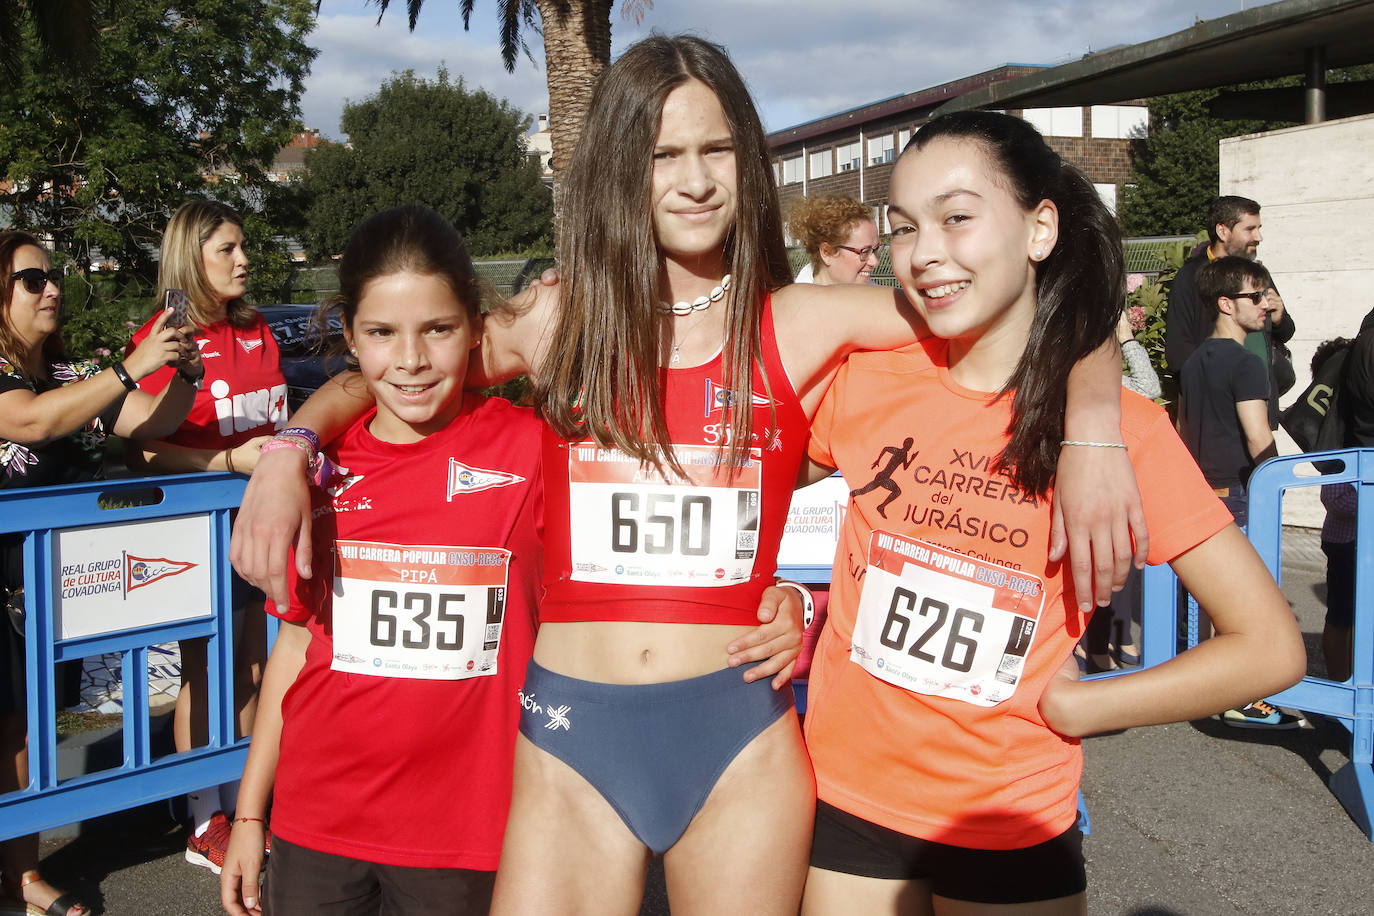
[1056, 122]
[847, 156]
[821, 164]
[1120, 122]
[880, 150]
[903, 136]
[792, 170]
[777, 172]
[1108, 194]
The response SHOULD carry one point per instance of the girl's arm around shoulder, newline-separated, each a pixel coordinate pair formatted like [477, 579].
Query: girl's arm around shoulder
[516, 334]
[276, 505]
[1257, 651]
[1097, 514]
[238, 881]
[817, 326]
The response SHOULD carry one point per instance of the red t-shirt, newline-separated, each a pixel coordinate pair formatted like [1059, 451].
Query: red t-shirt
[946, 619]
[398, 735]
[243, 394]
[624, 544]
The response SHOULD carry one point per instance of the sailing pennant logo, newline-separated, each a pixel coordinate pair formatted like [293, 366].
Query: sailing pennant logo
[465, 479]
[141, 571]
[718, 397]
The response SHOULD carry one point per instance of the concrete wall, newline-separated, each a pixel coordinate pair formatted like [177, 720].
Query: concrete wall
[1315, 185]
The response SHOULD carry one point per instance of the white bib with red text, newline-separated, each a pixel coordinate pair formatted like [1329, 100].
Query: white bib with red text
[943, 624]
[631, 525]
[405, 610]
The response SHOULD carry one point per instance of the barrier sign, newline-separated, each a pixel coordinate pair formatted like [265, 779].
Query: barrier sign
[813, 524]
[134, 575]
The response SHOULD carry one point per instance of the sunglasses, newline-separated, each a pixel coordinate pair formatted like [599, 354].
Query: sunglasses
[1255, 297]
[35, 279]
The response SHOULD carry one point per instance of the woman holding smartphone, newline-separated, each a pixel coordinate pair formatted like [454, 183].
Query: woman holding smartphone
[241, 402]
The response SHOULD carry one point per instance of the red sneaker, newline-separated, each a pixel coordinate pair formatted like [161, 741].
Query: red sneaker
[208, 849]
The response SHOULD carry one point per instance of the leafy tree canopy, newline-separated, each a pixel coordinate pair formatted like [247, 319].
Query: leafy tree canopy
[175, 98]
[429, 142]
[1175, 171]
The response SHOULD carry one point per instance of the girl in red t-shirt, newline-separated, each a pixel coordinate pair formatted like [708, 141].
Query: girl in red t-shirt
[386, 727]
[945, 708]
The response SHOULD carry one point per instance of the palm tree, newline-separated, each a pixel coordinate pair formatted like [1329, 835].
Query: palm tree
[577, 47]
[65, 29]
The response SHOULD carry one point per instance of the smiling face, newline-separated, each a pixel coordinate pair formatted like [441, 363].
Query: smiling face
[694, 184]
[963, 248]
[32, 317]
[412, 338]
[225, 263]
[844, 264]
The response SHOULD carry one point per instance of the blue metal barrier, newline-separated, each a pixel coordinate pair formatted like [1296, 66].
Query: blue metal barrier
[1351, 702]
[58, 519]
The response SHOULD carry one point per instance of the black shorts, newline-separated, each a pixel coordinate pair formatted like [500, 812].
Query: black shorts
[851, 845]
[1340, 583]
[302, 881]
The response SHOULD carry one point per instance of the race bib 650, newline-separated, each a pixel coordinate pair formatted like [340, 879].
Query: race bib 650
[633, 526]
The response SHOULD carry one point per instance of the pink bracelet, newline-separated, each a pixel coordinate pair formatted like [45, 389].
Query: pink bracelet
[317, 467]
[276, 443]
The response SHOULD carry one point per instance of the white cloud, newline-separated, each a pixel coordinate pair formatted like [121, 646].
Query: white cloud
[803, 59]
[357, 55]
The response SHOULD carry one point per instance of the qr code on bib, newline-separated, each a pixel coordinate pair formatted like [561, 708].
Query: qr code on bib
[493, 631]
[747, 540]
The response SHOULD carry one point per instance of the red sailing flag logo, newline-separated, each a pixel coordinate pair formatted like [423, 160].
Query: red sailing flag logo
[141, 571]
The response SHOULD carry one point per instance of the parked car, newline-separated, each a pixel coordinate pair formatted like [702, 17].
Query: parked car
[305, 359]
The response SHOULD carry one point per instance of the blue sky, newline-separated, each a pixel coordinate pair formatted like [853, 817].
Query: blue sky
[803, 58]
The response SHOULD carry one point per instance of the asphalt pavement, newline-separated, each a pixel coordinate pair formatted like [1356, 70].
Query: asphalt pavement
[1192, 818]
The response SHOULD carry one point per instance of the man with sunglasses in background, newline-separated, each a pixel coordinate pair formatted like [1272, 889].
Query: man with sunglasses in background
[1223, 414]
[1233, 228]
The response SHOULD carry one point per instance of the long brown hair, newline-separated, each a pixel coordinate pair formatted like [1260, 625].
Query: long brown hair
[182, 266]
[1080, 287]
[11, 349]
[601, 378]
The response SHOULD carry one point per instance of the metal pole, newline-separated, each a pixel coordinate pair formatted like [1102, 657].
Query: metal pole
[1315, 89]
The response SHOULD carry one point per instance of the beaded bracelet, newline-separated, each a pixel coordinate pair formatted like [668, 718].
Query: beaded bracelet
[1093, 444]
[301, 432]
[318, 467]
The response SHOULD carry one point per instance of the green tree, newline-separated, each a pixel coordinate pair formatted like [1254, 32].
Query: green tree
[577, 47]
[430, 142]
[174, 98]
[1175, 169]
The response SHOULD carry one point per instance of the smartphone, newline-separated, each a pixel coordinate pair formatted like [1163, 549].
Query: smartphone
[176, 301]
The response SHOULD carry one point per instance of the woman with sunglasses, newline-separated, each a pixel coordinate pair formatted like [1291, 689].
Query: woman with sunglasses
[55, 413]
[839, 236]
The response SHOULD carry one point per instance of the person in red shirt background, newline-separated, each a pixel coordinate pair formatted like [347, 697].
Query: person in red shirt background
[241, 403]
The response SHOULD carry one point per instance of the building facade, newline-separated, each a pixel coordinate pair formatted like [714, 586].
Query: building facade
[851, 153]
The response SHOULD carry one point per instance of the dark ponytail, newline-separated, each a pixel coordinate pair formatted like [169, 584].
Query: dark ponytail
[1080, 287]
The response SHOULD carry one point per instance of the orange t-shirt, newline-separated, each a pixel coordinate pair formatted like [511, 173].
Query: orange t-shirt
[946, 618]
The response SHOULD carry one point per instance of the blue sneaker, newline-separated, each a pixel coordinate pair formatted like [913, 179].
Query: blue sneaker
[1260, 714]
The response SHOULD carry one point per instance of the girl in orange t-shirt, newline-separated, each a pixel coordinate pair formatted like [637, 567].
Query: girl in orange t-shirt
[945, 705]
